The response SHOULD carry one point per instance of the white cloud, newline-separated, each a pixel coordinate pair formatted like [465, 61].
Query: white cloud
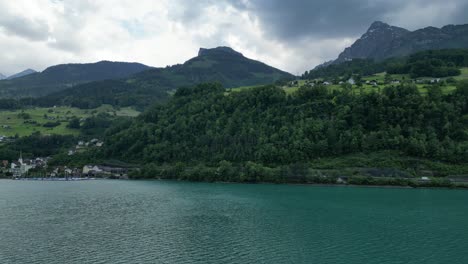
[157, 33]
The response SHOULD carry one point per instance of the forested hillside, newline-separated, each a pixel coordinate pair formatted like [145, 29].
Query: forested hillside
[60, 77]
[222, 64]
[432, 63]
[119, 93]
[204, 125]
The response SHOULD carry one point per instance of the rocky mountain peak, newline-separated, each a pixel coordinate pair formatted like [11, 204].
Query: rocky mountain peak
[218, 50]
[378, 25]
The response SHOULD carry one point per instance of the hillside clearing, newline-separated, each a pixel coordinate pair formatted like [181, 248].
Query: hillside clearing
[28, 121]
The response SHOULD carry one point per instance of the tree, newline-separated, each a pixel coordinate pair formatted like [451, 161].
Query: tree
[24, 116]
[358, 80]
[388, 78]
[74, 123]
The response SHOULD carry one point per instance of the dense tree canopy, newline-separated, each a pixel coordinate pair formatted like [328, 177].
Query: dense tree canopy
[264, 125]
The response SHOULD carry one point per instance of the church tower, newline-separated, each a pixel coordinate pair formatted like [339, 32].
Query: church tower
[20, 160]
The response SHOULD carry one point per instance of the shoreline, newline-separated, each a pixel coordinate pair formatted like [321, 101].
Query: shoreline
[316, 184]
[458, 187]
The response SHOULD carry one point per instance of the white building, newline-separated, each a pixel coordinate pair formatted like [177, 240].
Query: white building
[91, 168]
[21, 168]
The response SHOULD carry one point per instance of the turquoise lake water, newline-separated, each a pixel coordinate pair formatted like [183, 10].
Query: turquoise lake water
[171, 222]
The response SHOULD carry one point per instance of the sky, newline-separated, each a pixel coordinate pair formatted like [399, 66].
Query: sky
[293, 35]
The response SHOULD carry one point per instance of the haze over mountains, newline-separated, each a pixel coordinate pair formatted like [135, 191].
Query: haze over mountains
[382, 41]
[21, 74]
[17, 75]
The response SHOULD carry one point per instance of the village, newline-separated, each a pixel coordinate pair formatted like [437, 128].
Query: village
[370, 82]
[39, 168]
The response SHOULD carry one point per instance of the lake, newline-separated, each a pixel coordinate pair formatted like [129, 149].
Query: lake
[173, 222]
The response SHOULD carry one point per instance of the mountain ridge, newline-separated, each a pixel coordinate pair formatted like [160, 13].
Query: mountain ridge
[222, 64]
[21, 74]
[63, 76]
[382, 41]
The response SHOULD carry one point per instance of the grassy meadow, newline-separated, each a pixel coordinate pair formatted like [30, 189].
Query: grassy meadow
[27, 121]
[380, 77]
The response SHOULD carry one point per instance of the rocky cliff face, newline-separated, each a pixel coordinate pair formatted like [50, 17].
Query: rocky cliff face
[383, 41]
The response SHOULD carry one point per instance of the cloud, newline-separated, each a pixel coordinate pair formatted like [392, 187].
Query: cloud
[17, 24]
[422, 13]
[292, 35]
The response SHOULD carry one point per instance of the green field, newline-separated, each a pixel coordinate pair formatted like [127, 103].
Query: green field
[379, 77]
[13, 123]
[238, 89]
[464, 74]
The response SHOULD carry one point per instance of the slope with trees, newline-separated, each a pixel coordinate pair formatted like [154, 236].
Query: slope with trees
[265, 127]
[60, 77]
[222, 64]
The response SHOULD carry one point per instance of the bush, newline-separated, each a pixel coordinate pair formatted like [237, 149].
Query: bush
[51, 124]
[24, 115]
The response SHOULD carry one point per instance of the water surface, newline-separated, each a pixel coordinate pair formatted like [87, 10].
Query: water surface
[170, 222]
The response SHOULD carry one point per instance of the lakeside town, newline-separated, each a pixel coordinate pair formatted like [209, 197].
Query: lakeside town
[39, 168]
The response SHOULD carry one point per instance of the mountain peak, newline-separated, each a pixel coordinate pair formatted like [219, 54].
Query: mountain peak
[378, 25]
[2, 77]
[21, 74]
[382, 41]
[218, 50]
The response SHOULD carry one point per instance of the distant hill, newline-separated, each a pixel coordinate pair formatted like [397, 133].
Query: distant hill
[383, 41]
[21, 74]
[2, 77]
[60, 77]
[222, 64]
[112, 92]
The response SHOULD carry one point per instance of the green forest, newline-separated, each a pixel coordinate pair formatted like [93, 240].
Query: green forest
[432, 63]
[266, 128]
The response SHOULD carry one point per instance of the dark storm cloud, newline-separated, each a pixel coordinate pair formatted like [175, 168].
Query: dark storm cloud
[332, 18]
[460, 14]
[297, 19]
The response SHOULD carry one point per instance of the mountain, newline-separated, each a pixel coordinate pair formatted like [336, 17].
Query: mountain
[21, 74]
[2, 77]
[224, 65]
[60, 77]
[383, 41]
[221, 64]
